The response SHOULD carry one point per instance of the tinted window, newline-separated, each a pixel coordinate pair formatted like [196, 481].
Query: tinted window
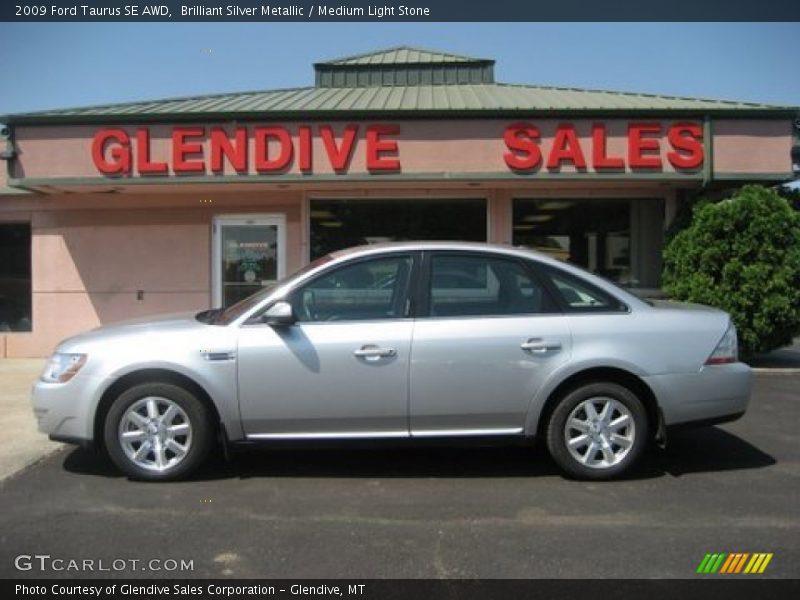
[337, 224]
[581, 296]
[476, 285]
[15, 277]
[370, 289]
[619, 239]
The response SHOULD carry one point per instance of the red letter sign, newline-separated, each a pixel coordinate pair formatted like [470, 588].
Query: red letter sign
[120, 153]
[221, 146]
[638, 145]
[262, 160]
[687, 140]
[305, 155]
[566, 148]
[339, 157]
[601, 160]
[376, 146]
[143, 164]
[521, 139]
[180, 148]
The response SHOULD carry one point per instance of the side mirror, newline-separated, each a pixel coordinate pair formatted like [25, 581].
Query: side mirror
[279, 314]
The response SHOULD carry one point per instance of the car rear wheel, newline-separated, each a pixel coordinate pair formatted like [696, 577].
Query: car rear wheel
[158, 431]
[597, 431]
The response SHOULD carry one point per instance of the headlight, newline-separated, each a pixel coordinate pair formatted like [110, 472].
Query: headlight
[62, 367]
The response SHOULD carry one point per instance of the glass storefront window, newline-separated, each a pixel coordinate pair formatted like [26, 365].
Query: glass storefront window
[338, 224]
[618, 239]
[15, 277]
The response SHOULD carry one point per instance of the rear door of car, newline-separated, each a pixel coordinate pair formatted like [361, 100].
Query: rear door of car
[488, 334]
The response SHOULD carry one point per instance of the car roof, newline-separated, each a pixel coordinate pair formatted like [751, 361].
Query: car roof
[441, 245]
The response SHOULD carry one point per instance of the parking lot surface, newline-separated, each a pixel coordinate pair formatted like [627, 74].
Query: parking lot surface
[441, 513]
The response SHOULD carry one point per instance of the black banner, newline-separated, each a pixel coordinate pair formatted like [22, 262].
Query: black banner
[733, 588]
[404, 10]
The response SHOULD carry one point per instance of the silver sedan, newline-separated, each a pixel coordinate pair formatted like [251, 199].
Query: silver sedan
[407, 342]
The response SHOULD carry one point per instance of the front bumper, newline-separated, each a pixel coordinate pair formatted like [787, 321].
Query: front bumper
[715, 394]
[62, 411]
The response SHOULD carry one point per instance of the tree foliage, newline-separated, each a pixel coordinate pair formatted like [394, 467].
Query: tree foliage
[742, 255]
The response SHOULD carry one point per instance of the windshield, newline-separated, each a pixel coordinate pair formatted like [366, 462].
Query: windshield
[231, 313]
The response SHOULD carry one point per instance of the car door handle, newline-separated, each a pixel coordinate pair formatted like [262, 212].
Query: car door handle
[540, 346]
[371, 352]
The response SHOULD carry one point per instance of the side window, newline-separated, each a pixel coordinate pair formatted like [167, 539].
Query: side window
[581, 296]
[370, 289]
[477, 285]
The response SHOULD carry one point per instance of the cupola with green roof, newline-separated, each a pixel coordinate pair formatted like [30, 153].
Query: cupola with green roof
[402, 66]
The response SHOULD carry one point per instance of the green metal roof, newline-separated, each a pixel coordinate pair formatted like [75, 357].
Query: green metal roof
[426, 100]
[400, 82]
[402, 55]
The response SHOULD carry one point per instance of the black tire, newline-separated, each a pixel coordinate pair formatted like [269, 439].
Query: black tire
[557, 436]
[201, 427]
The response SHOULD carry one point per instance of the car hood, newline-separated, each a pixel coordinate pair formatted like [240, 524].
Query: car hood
[174, 323]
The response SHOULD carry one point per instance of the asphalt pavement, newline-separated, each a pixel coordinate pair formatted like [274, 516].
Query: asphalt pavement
[438, 513]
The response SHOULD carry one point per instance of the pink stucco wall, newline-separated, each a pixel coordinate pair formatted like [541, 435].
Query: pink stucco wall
[743, 146]
[92, 254]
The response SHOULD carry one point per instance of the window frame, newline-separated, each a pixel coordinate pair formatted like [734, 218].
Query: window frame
[423, 290]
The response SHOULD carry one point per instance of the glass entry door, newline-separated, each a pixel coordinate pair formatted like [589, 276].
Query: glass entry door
[249, 253]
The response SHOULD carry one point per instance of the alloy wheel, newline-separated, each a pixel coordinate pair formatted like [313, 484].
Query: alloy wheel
[155, 433]
[599, 432]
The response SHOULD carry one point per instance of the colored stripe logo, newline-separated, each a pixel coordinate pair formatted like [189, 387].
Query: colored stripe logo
[734, 563]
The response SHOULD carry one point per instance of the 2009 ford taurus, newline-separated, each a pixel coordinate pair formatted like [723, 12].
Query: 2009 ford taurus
[407, 341]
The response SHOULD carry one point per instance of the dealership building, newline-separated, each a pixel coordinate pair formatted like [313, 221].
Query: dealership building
[126, 210]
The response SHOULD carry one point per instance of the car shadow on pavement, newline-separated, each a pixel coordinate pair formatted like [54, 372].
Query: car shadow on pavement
[706, 449]
[694, 451]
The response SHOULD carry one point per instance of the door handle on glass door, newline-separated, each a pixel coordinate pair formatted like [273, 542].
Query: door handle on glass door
[540, 346]
[372, 352]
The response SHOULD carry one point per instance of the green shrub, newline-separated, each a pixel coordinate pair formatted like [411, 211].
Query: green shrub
[742, 255]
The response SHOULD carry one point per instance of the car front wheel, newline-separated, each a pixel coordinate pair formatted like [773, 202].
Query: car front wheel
[158, 431]
[597, 431]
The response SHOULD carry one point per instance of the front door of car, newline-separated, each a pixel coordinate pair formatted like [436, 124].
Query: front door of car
[487, 338]
[342, 369]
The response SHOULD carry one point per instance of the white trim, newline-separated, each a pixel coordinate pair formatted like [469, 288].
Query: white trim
[276, 219]
[465, 432]
[333, 435]
[357, 435]
[305, 229]
[488, 201]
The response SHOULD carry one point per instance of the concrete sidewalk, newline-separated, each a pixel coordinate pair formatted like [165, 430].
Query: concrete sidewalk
[23, 444]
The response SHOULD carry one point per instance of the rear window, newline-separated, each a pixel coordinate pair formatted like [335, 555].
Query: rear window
[578, 295]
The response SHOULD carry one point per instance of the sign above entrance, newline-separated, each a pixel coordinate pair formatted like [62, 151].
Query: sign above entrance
[448, 151]
[527, 147]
